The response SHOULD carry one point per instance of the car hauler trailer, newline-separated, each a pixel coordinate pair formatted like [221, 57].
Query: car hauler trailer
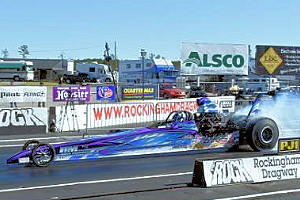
[96, 72]
[16, 70]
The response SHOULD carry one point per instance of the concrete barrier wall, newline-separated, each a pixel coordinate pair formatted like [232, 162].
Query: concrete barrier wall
[211, 173]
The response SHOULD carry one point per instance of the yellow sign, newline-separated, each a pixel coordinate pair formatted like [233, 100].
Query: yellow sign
[271, 60]
[286, 145]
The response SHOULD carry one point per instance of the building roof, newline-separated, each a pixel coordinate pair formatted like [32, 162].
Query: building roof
[45, 64]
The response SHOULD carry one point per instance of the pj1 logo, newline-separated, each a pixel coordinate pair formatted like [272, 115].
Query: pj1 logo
[287, 145]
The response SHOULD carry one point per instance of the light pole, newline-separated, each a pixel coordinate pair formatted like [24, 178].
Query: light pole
[143, 55]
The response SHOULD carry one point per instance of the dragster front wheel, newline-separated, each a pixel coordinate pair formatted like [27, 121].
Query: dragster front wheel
[42, 155]
[30, 144]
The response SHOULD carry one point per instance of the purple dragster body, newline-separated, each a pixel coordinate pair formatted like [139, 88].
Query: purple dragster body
[177, 133]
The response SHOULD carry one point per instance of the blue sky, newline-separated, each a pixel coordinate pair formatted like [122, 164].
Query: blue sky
[79, 29]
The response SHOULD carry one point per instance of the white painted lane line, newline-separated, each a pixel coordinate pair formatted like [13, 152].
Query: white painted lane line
[261, 194]
[93, 182]
[11, 145]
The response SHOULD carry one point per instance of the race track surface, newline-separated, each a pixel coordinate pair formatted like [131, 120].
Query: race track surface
[161, 177]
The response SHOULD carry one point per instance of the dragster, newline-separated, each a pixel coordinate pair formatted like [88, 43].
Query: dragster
[206, 129]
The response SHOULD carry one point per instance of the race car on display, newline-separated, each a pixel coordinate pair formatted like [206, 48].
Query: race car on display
[207, 130]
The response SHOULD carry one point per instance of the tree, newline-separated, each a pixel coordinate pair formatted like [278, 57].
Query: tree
[4, 53]
[23, 51]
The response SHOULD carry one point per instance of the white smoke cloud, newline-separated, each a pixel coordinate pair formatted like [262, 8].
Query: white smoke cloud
[284, 109]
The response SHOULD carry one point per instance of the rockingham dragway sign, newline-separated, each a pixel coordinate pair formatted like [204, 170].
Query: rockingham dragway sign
[209, 173]
[23, 121]
[71, 93]
[277, 60]
[214, 59]
[23, 94]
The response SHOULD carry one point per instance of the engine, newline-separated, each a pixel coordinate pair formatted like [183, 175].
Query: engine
[211, 124]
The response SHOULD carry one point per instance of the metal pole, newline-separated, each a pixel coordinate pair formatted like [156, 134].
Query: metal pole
[143, 78]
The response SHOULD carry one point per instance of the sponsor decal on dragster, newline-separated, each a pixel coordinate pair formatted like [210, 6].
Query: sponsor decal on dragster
[123, 111]
[106, 92]
[71, 93]
[148, 143]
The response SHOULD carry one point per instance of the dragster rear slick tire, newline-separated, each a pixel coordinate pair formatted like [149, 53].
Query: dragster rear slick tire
[262, 134]
[42, 155]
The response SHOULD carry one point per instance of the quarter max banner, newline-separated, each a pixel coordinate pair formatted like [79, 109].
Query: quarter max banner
[136, 92]
[214, 59]
[71, 93]
[23, 94]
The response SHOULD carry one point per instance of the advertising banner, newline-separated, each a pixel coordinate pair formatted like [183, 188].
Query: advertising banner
[278, 60]
[106, 93]
[112, 114]
[214, 59]
[136, 92]
[23, 94]
[23, 121]
[71, 93]
[251, 170]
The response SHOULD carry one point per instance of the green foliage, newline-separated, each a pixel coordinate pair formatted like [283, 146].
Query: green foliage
[23, 51]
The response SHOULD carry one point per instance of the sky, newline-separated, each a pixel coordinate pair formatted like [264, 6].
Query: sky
[78, 29]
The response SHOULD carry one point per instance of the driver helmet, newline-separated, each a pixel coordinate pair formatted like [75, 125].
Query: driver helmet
[202, 101]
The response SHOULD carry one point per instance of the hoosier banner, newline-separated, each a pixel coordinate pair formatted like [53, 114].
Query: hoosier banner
[214, 59]
[71, 93]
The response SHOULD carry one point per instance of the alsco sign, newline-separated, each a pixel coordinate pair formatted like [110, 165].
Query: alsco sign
[213, 59]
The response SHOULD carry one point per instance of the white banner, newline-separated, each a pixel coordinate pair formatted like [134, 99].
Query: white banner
[23, 94]
[23, 121]
[108, 115]
[251, 170]
[214, 59]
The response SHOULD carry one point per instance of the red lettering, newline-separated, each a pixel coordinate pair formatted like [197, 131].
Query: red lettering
[172, 107]
[139, 110]
[133, 110]
[167, 108]
[126, 114]
[182, 106]
[107, 112]
[117, 111]
[157, 109]
[97, 113]
[146, 109]
[151, 109]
